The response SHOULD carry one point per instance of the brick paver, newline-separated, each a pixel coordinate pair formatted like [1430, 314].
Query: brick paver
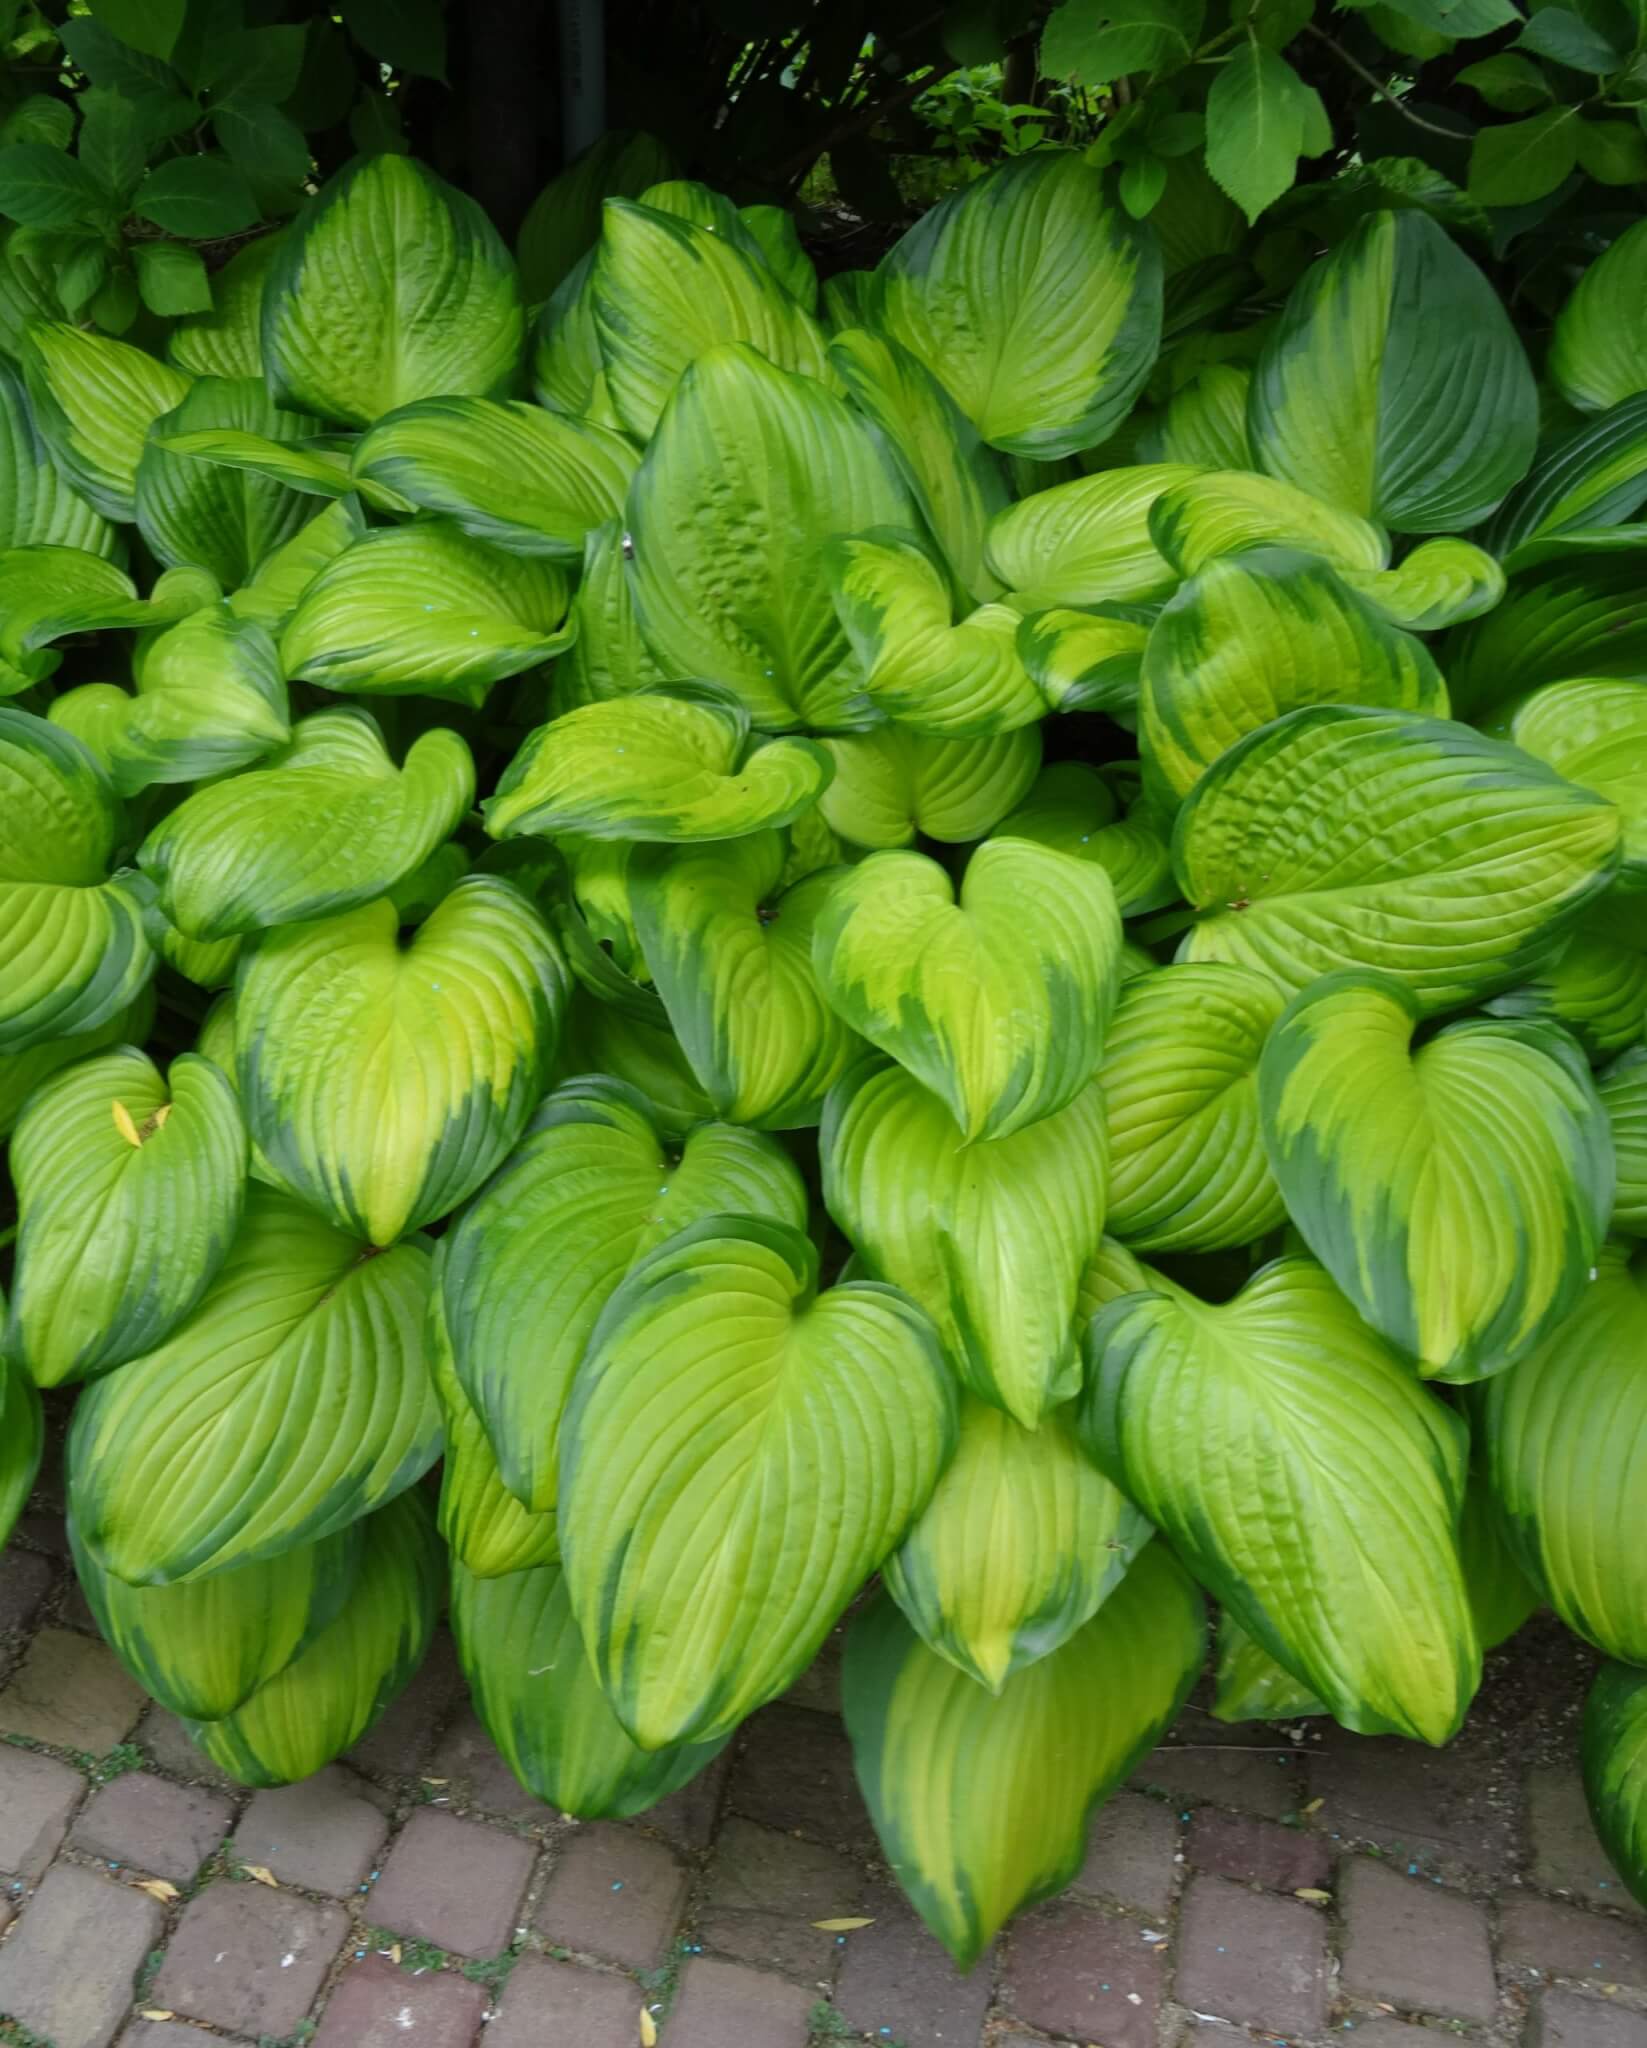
[1413, 1944]
[724, 2002]
[24, 1583]
[1229, 1767]
[37, 1796]
[399, 1743]
[147, 1823]
[67, 1968]
[613, 1893]
[1258, 1852]
[794, 1771]
[324, 1834]
[1130, 1852]
[765, 1890]
[70, 1691]
[1436, 1807]
[547, 2001]
[163, 2034]
[165, 1741]
[469, 1769]
[1562, 1941]
[249, 1958]
[1261, 1962]
[1566, 1854]
[452, 1882]
[1084, 1973]
[1567, 2019]
[897, 1981]
[377, 2005]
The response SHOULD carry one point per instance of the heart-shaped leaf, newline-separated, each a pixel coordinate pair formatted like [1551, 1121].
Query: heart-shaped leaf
[593, 1186]
[780, 1425]
[671, 766]
[1391, 1159]
[330, 1018]
[1441, 583]
[295, 1399]
[328, 823]
[1229, 511]
[94, 401]
[1308, 1480]
[1019, 1547]
[1594, 982]
[1087, 541]
[211, 698]
[227, 341]
[37, 507]
[891, 784]
[996, 1000]
[982, 1801]
[991, 1239]
[1074, 809]
[1595, 734]
[1086, 660]
[129, 1191]
[540, 1702]
[1597, 357]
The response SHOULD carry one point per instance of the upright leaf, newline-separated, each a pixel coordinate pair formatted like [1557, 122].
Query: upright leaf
[1613, 1758]
[1087, 541]
[226, 520]
[1598, 355]
[37, 506]
[94, 402]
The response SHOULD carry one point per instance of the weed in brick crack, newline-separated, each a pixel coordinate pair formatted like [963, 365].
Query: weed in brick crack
[124, 1757]
[492, 1971]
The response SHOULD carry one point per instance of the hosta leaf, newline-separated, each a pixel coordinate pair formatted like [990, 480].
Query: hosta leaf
[1229, 510]
[1074, 809]
[607, 657]
[750, 471]
[600, 1038]
[982, 1801]
[119, 1241]
[731, 955]
[316, 469]
[1205, 420]
[665, 290]
[1595, 984]
[1254, 635]
[22, 1439]
[991, 1240]
[1032, 300]
[1595, 734]
[1594, 477]
[1414, 877]
[562, 223]
[530, 481]
[920, 666]
[488, 1531]
[1019, 1547]
[1187, 1170]
[425, 609]
[334, 1689]
[391, 287]
[1623, 1092]
[227, 340]
[330, 1019]
[73, 952]
[665, 767]
[1441, 583]
[1501, 1595]
[1307, 1478]
[568, 374]
[328, 823]
[271, 596]
[48, 593]
[1584, 619]
[22, 1072]
[890, 784]
[1597, 353]
[295, 1399]
[94, 402]
[226, 520]
[1613, 1757]
[958, 483]
[211, 698]
[1088, 541]
[37, 507]
[595, 1184]
[738, 1453]
[1564, 1440]
[1458, 1192]
[996, 997]
[204, 1648]
[1086, 660]
[539, 1699]
[1251, 1686]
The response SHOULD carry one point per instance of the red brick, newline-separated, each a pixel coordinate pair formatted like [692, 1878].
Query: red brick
[794, 1772]
[476, 1775]
[70, 1690]
[1228, 1767]
[547, 2002]
[323, 1834]
[25, 1580]
[1564, 1941]
[148, 1824]
[37, 1796]
[1567, 1857]
[1413, 1945]
[248, 1958]
[613, 1893]
[1438, 1808]
[376, 2005]
[1567, 2019]
[1130, 1852]
[452, 1882]
[1086, 1974]
[722, 2003]
[68, 1969]
[897, 1979]
[1258, 1852]
[765, 1890]
[1261, 1962]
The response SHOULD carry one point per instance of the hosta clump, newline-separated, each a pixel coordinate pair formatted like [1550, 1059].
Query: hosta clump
[982, 925]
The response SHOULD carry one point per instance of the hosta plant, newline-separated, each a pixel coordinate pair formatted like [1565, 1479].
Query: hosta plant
[964, 946]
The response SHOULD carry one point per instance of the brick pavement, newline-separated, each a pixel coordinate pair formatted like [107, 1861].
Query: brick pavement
[413, 1892]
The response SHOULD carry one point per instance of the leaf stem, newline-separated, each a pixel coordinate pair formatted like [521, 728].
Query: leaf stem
[1371, 78]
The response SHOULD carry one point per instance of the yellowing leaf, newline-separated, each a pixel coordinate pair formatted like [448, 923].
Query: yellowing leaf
[841, 1926]
[155, 2013]
[124, 1125]
[648, 2029]
[1312, 1895]
[259, 1872]
[158, 1888]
